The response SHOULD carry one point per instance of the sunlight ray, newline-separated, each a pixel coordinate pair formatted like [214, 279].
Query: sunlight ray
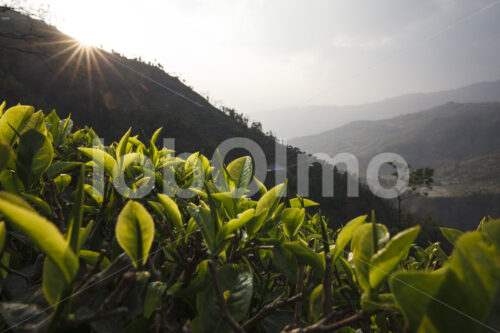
[77, 66]
[57, 42]
[67, 62]
[100, 54]
[65, 50]
[96, 63]
[89, 70]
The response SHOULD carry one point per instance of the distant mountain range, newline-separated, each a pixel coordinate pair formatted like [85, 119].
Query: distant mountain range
[461, 141]
[308, 120]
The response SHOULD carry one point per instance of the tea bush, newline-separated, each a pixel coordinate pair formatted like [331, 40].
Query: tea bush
[196, 253]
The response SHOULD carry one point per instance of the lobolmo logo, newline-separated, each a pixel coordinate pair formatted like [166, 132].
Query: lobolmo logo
[183, 175]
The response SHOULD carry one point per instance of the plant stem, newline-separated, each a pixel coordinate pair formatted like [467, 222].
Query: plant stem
[270, 308]
[327, 285]
[220, 299]
[13, 271]
[298, 290]
[321, 327]
[90, 318]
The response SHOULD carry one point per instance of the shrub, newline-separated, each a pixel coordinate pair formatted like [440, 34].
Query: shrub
[214, 261]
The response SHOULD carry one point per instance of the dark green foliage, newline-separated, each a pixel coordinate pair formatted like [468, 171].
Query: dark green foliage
[100, 262]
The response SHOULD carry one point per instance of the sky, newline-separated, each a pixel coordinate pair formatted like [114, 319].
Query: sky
[266, 54]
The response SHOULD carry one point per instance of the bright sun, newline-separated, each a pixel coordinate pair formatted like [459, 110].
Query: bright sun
[86, 37]
[87, 32]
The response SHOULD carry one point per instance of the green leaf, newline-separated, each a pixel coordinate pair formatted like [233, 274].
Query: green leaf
[456, 298]
[62, 181]
[228, 200]
[5, 154]
[385, 300]
[205, 163]
[254, 225]
[128, 160]
[2, 108]
[37, 123]
[135, 232]
[451, 234]
[10, 181]
[492, 229]
[207, 225]
[386, 260]
[316, 303]
[121, 149]
[43, 233]
[94, 193]
[414, 292]
[92, 256]
[269, 201]
[362, 247]
[157, 208]
[172, 210]
[52, 122]
[306, 255]
[285, 261]
[59, 167]
[155, 136]
[262, 188]
[154, 295]
[234, 225]
[302, 203]
[53, 282]
[101, 158]
[345, 266]
[84, 234]
[292, 220]
[345, 236]
[65, 127]
[41, 205]
[5, 260]
[240, 171]
[3, 235]
[75, 221]
[16, 200]
[14, 120]
[34, 155]
[239, 284]
[197, 284]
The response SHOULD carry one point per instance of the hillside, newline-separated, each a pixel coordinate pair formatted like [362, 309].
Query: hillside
[309, 120]
[461, 141]
[43, 67]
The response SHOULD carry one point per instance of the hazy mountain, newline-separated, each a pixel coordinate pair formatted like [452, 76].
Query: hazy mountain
[300, 121]
[462, 141]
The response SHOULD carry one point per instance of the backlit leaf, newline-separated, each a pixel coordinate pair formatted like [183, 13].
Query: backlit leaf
[44, 234]
[385, 260]
[135, 232]
[14, 120]
[34, 155]
[292, 220]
